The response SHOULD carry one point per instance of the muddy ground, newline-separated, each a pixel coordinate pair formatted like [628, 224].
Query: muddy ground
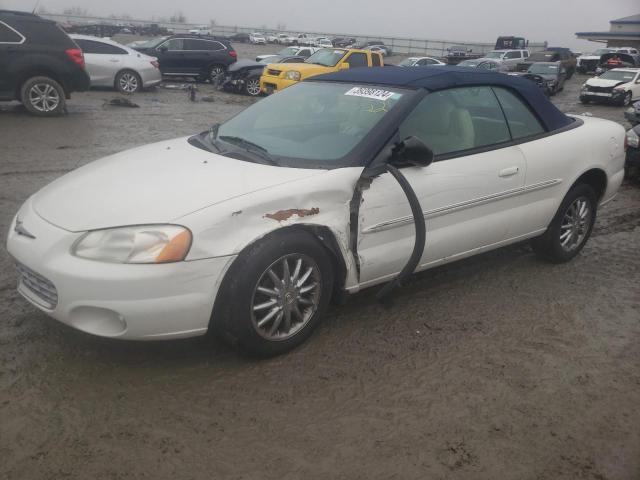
[497, 367]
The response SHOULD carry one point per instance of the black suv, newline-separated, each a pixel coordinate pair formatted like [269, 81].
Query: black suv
[39, 64]
[203, 57]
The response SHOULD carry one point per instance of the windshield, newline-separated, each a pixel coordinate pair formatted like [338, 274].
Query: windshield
[602, 51]
[408, 62]
[469, 63]
[311, 123]
[494, 55]
[618, 75]
[154, 42]
[542, 69]
[288, 52]
[326, 58]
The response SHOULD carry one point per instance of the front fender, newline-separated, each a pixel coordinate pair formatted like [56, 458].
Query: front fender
[321, 201]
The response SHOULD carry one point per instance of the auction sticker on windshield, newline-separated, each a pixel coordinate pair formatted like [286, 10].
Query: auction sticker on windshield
[374, 93]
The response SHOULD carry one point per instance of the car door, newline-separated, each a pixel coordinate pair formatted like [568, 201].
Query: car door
[10, 43]
[103, 61]
[465, 193]
[171, 56]
[512, 58]
[635, 87]
[533, 209]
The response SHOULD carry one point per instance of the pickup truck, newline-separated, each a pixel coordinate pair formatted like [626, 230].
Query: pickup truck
[277, 76]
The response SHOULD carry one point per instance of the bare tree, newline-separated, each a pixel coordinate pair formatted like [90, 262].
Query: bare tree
[178, 17]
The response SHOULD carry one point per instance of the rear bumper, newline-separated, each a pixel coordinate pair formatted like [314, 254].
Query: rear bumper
[78, 82]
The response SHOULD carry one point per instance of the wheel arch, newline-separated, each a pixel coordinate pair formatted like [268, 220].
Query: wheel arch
[596, 178]
[325, 237]
[39, 71]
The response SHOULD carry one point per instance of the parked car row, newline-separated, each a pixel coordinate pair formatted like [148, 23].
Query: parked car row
[618, 86]
[590, 63]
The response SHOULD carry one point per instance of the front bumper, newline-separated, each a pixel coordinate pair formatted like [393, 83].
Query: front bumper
[133, 302]
[613, 97]
[270, 84]
[633, 157]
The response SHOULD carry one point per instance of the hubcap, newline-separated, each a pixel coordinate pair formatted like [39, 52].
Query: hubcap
[575, 224]
[44, 97]
[253, 87]
[286, 297]
[128, 82]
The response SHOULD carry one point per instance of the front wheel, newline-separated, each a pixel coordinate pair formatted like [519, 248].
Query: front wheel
[275, 293]
[43, 96]
[570, 228]
[626, 101]
[252, 86]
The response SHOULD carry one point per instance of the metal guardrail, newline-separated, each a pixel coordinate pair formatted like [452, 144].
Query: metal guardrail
[399, 45]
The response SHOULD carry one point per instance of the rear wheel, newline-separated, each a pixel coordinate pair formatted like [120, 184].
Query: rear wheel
[215, 73]
[252, 86]
[275, 293]
[43, 96]
[128, 82]
[570, 228]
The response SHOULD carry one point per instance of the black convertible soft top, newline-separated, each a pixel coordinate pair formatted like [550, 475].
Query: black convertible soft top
[435, 78]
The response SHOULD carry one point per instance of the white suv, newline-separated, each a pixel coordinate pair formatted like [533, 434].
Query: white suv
[509, 58]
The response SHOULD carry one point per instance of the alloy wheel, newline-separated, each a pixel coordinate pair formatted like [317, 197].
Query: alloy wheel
[286, 297]
[128, 82]
[575, 224]
[253, 87]
[44, 97]
[215, 73]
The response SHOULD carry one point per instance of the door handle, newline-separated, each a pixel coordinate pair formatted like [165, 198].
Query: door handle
[114, 60]
[509, 172]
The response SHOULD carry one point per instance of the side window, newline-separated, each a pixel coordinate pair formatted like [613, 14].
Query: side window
[89, 46]
[376, 60]
[513, 55]
[522, 121]
[305, 52]
[356, 60]
[9, 35]
[173, 44]
[457, 119]
[525, 54]
[193, 44]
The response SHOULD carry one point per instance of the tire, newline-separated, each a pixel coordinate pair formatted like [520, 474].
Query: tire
[252, 86]
[626, 100]
[215, 73]
[570, 228]
[128, 82]
[242, 323]
[43, 96]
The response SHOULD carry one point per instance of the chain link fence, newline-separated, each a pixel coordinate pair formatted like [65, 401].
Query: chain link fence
[399, 45]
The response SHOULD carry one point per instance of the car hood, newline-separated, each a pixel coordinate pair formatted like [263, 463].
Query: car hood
[305, 69]
[599, 82]
[243, 64]
[157, 183]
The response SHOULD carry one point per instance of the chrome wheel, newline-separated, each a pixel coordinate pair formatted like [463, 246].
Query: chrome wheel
[253, 86]
[627, 100]
[128, 82]
[44, 97]
[215, 73]
[286, 297]
[575, 224]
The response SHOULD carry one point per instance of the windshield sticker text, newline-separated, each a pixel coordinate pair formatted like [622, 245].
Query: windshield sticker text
[374, 93]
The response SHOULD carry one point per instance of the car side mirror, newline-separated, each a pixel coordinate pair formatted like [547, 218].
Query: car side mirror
[344, 66]
[411, 151]
[163, 49]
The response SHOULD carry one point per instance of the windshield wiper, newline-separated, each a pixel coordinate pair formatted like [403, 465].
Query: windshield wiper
[250, 147]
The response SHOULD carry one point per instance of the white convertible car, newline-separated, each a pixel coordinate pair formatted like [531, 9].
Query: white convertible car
[250, 228]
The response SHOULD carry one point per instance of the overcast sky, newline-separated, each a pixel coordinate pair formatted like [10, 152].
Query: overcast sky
[464, 20]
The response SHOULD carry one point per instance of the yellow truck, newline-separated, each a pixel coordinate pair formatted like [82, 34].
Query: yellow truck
[278, 76]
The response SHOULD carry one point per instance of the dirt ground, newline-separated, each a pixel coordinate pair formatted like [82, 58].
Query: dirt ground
[497, 367]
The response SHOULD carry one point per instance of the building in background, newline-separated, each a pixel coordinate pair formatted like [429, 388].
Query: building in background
[623, 32]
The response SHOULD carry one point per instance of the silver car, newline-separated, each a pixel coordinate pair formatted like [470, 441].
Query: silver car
[111, 64]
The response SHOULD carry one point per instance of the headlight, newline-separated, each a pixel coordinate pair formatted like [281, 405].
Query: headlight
[292, 75]
[139, 244]
[584, 87]
[618, 89]
[632, 139]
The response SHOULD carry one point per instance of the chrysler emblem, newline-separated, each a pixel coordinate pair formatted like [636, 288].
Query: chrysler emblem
[20, 230]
